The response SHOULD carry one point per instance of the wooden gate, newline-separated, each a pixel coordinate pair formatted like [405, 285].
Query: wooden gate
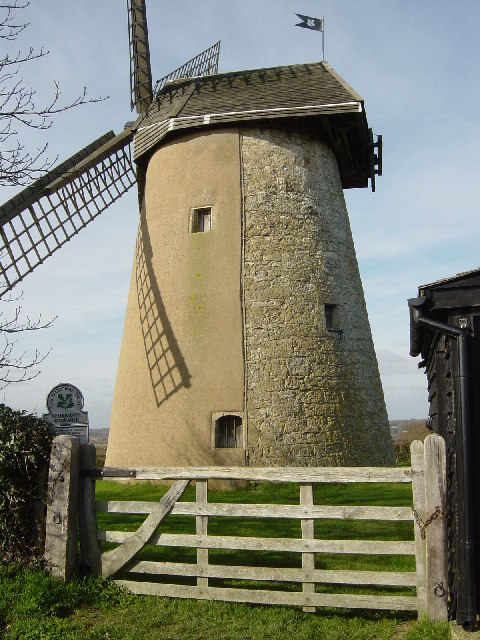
[427, 476]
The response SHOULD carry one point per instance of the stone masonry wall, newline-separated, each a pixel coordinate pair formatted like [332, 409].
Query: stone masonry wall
[314, 396]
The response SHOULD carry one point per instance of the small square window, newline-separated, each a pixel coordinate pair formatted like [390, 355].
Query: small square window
[332, 322]
[201, 220]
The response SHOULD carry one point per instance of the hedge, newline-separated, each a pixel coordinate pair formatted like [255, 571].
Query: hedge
[25, 444]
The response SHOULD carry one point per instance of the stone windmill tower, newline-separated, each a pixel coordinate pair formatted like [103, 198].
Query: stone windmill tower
[246, 337]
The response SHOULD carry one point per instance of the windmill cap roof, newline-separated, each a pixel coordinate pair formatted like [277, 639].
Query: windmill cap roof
[308, 95]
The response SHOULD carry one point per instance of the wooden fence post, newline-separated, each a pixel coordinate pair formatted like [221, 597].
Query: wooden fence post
[201, 494]
[308, 533]
[91, 552]
[435, 528]
[418, 488]
[62, 508]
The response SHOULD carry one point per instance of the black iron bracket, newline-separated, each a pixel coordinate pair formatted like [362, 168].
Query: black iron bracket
[376, 156]
[108, 472]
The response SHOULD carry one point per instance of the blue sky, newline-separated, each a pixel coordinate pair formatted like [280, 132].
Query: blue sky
[416, 64]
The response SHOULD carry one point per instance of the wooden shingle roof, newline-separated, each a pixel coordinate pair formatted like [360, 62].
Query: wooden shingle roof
[459, 291]
[463, 279]
[311, 96]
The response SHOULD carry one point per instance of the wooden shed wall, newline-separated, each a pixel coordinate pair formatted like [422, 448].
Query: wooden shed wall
[443, 395]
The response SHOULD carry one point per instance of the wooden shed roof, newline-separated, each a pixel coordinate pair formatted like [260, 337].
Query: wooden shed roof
[310, 95]
[458, 281]
[443, 300]
[460, 291]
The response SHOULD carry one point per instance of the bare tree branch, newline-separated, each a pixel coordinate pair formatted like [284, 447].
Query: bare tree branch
[19, 112]
[8, 29]
[19, 109]
[17, 367]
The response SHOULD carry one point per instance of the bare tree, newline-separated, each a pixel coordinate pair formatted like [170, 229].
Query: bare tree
[18, 107]
[17, 367]
[19, 112]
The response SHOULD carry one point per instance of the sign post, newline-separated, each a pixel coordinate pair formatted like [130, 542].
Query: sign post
[65, 406]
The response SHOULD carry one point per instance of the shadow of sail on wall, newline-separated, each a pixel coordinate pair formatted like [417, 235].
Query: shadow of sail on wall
[167, 368]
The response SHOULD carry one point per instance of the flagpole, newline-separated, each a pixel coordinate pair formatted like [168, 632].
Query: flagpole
[323, 38]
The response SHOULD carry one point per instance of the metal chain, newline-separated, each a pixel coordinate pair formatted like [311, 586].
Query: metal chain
[433, 516]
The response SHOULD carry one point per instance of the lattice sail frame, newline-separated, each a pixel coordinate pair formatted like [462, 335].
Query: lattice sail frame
[203, 64]
[46, 215]
[140, 68]
[41, 219]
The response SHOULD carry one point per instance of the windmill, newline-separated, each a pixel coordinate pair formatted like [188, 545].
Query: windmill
[246, 339]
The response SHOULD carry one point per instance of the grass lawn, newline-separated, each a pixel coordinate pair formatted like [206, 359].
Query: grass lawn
[33, 605]
[329, 494]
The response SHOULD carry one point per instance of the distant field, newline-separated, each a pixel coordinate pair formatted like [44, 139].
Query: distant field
[99, 436]
[409, 430]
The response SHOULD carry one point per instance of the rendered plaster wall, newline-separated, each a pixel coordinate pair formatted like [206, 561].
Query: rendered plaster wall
[182, 349]
[314, 396]
[280, 248]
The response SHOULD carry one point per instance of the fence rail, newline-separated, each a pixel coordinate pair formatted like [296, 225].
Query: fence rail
[323, 512]
[427, 476]
[258, 474]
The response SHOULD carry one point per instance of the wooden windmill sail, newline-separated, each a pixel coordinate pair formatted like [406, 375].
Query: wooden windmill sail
[246, 339]
[44, 216]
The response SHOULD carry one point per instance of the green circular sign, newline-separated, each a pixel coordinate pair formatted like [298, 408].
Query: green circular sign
[65, 398]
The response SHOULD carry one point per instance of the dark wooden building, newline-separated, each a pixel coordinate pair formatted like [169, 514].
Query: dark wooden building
[445, 330]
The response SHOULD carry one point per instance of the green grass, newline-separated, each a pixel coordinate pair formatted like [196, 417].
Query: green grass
[329, 494]
[35, 606]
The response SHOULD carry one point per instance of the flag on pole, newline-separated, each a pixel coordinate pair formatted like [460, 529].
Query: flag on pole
[316, 24]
